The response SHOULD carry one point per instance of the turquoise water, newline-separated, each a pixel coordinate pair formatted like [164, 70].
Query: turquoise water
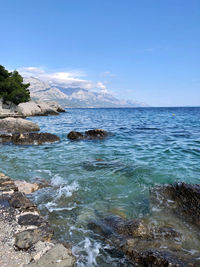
[90, 179]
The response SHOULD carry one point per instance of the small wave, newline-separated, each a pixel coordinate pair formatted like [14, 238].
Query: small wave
[92, 251]
[52, 206]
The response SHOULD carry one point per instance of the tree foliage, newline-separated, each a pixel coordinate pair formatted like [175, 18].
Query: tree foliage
[12, 87]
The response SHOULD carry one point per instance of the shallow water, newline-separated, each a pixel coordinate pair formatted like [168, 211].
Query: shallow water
[91, 179]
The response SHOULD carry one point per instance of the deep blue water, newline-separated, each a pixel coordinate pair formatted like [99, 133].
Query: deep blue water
[148, 146]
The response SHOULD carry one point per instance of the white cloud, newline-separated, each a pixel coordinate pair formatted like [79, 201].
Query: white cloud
[67, 79]
[108, 74]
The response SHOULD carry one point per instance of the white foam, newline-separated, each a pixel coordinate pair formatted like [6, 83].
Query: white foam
[92, 251]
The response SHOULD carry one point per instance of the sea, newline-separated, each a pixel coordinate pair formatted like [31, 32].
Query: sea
[91, 179]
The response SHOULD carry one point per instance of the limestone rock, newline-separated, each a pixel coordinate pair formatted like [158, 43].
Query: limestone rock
[38, 108]
[56, 106]
[28, 109]
[34, 138]
[25, 187]
[17, 125]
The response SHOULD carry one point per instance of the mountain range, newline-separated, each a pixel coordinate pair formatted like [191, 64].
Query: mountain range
[75, 97]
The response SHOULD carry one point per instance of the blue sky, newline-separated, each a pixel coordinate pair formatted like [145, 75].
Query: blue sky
[141, 50]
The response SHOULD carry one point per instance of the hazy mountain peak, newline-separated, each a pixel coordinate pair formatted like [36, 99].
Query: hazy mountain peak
[74, 97]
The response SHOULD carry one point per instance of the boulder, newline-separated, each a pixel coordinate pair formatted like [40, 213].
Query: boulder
[29, 109]
[27, 238]
[34, 138]
[17, 125]
[75, 135]
[25, 187]
[90, 134]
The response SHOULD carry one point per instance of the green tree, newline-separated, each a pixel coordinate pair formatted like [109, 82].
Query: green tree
[12, 87]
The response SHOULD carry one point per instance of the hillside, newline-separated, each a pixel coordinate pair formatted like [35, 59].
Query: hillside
[74, 97]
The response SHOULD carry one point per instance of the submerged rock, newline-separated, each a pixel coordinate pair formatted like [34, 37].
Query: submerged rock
[180, 198]
[156, 258]
[34, 138]
[90, 134]
[17, 125]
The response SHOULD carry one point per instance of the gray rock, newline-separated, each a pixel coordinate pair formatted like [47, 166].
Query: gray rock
[58, 256]
[17, 125]
[38, 108]
[20, 201]
[27, 238]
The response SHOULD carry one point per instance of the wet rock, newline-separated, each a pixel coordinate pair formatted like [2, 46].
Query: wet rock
[20, 201]
[156, 258]
[5, 138]
[57, 256]
[96, 134]
[31, 219]
[41, 183]
[180, 198]
[18, 125]
[7, 185]
[91, 134]
[34, 138]
[25, 187]
[75, 135]
[27, 238]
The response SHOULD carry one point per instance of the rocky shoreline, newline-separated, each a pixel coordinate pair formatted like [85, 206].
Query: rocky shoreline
[25, 237]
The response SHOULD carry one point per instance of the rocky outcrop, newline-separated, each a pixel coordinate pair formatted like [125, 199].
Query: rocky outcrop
[90, 135]
[34, 138]
[14, 125]
[38, 108]
[25, 237]
[56, 106]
